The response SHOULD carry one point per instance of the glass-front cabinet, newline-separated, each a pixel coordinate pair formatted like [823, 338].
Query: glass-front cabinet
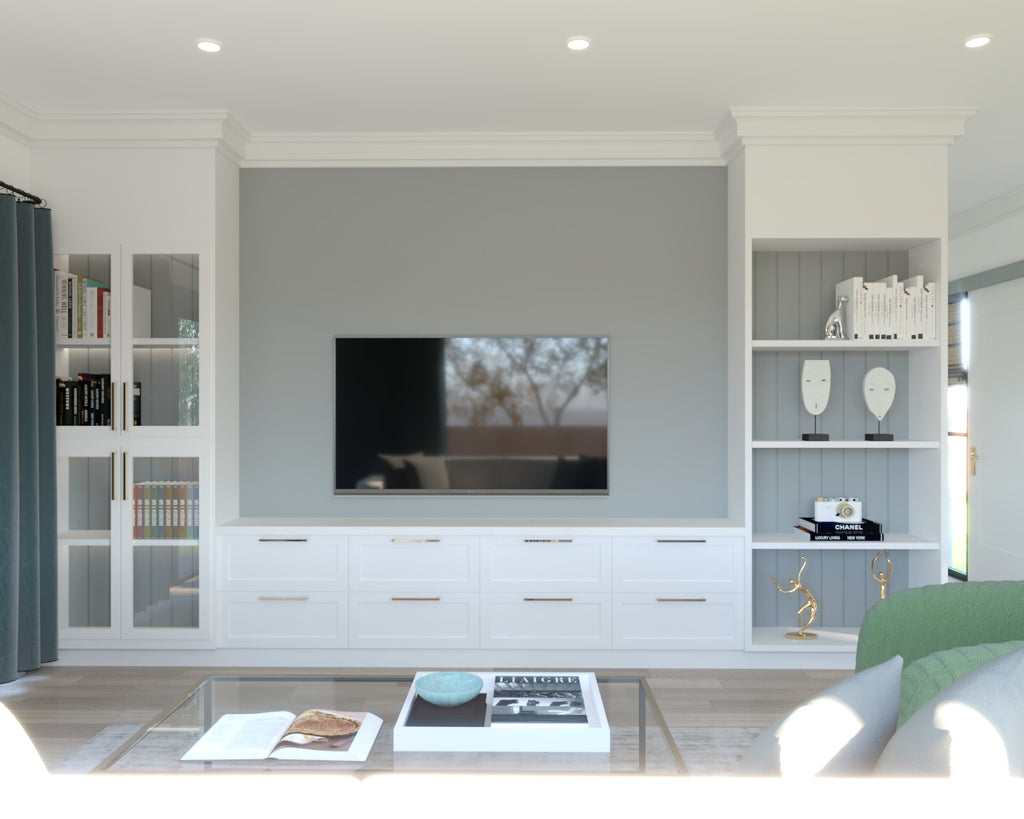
[133, 453]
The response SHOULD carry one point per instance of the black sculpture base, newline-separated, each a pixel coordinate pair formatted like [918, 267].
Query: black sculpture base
[815, 436]
[879, 436]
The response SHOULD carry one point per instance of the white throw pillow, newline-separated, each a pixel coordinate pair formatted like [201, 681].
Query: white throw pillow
[838, 732]
[973, 727]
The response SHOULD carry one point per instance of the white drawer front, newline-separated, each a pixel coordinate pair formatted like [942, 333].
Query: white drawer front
[517, 563]
[436, 564]
[413, 619]
[660, 621]
[280, 562]
[543, 619]
[283, 618]
[656, 564]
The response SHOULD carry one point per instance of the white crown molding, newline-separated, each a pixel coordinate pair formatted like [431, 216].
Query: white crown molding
[840, 126]
[480, 149]
[987, 213]
[16, 121]
[147, 129]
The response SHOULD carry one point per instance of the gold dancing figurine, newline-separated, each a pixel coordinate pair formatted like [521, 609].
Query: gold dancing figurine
[810, 605]
[882, 578]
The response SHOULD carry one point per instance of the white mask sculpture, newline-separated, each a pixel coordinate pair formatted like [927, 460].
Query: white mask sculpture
[879, 393]
[815, 386]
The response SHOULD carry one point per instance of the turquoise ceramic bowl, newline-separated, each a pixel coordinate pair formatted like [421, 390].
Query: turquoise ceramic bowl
[449, 688]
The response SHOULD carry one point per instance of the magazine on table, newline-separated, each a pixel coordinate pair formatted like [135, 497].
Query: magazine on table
[344, 736]
[538, 698]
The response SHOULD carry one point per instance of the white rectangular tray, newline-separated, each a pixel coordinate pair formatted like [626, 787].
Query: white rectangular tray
[594, 737]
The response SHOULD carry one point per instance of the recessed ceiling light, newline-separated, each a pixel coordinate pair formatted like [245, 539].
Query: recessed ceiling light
[208, 45]
[577, 43]
[978, 40]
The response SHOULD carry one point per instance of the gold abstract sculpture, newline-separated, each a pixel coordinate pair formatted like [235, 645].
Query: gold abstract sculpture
[811, 604]
[882, 577]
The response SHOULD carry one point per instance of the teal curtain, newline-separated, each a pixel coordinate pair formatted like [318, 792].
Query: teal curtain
[28, 448]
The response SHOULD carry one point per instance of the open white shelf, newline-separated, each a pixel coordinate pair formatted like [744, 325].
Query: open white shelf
[784, 540]
[829, 639]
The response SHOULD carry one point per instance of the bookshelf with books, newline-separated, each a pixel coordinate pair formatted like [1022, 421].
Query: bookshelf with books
[133, 448]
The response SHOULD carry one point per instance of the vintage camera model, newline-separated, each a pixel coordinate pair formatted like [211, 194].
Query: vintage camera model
[838, 510]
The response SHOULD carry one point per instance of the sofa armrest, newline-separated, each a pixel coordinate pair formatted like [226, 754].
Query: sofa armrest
[920, 621]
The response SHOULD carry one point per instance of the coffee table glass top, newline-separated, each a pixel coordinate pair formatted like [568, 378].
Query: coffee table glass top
[640, 740]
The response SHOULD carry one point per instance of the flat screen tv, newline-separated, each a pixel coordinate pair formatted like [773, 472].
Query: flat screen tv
[471, 415]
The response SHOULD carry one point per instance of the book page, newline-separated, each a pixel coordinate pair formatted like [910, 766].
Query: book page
[241, 736]
[312, 736]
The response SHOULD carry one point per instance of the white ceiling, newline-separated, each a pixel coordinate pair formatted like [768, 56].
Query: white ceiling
[476, 66]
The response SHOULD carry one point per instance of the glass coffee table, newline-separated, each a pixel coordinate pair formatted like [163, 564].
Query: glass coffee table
[640, 739]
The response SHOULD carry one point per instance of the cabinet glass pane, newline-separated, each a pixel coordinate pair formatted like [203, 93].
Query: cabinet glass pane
[85, 508]
[165, 339]
[83, 310]
[88, 585]
[165, 552]
[165, 586]
[87, 494]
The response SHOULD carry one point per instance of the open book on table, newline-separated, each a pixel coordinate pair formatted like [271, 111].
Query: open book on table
[344, 736]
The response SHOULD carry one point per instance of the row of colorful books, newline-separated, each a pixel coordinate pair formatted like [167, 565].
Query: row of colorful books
[82, 306]
[888, 308]
[863, 529]
[85, 401]
[165, 510]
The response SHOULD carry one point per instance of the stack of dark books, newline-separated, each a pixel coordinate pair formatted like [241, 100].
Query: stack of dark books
[840, 530]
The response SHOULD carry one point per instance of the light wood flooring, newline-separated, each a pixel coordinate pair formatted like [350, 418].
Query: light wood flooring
[62, 707]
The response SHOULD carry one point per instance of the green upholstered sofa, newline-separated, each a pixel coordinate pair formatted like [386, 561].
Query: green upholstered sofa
[918, 622]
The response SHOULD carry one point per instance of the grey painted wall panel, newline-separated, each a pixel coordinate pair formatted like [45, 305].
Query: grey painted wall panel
[637, 254]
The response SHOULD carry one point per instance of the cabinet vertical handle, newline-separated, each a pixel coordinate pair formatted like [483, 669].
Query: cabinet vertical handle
[124, 406]
[113, 406]
[124, 476]
[113, 476]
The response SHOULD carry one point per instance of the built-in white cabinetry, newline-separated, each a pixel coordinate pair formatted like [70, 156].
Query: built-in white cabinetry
[282, 591]
[497, 591]
[133, 450]
[678, 592]
[414, 591]
[541, 591]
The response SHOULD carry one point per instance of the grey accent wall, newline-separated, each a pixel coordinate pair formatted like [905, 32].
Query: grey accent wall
[638, 254]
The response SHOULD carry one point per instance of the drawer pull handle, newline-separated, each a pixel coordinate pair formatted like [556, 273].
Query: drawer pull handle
[284, 540]
[681, 540]
[415, 599]
[268, 598]
[548, 599]
[547, 540]
[415, 540]
[682, 599]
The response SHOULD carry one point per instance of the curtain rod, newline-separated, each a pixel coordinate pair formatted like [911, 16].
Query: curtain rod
[35, 200]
